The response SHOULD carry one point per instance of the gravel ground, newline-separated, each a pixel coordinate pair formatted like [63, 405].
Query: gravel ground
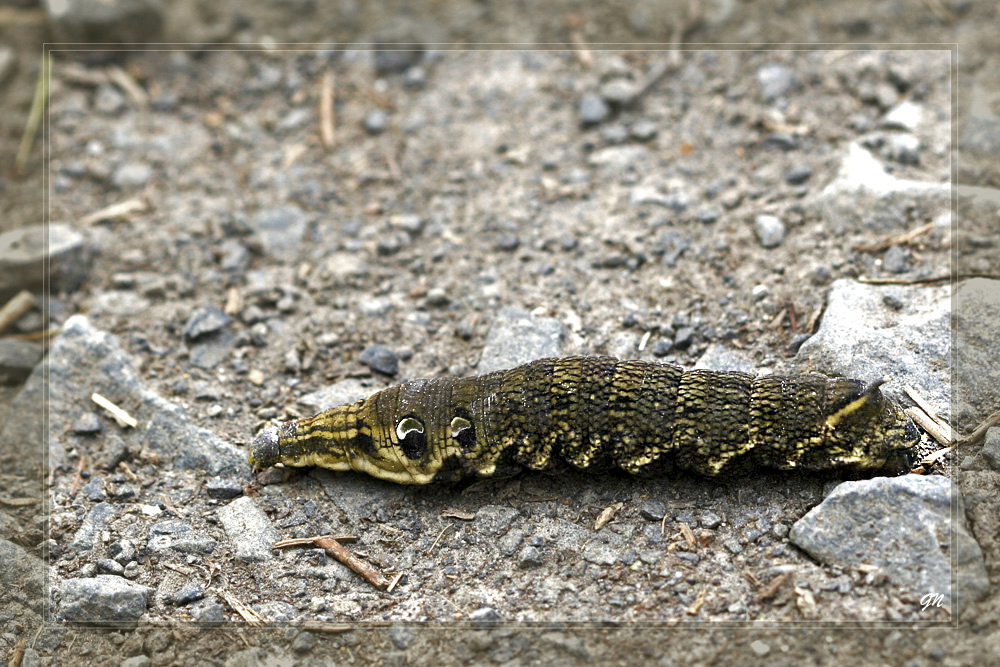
[478, 209]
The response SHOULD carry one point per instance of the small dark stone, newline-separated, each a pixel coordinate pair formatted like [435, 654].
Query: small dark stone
[123, 551]
[896, 260]
[662, 347]
[615, 134]
[653, 510]
[376, 121]
[189, 593]
[380, 358]
[683, 337]
[223, 488]
[396, 60]
[126, 492]
[94, 490]
[782, 141]
[708, 215]
[710, 520]
[484, 617]
[508, 242]
[205, 320]
[87, 423]
[304, 642]
[529, 557]
[796, 343]
[798, 174]
[110, 566]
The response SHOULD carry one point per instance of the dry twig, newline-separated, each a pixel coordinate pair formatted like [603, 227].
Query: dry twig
[338, 551]
[980, 432]
[698, 602]
[249, 615]
[606, 515]
[122, 209]
[772, 588]
[121, 416]
[19, 304]
[896, 239]
[940, 432]
[326, 118]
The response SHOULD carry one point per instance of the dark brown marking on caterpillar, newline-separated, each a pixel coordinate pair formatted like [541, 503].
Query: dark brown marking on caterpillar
[594, 413]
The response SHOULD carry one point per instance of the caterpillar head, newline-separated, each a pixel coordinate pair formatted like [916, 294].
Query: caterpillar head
[863, 430]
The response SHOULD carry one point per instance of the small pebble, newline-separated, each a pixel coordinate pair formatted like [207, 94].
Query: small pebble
[508, 242]
[896, 260]
[798, 174]
[528, 557]
[189, 593]
[380, 358]
[223, 488]
[770, 230]
[376, 121]
[110, 566]
[87, 423]
[653, 510]
[903, 148]
[593, 109]
[643, 130]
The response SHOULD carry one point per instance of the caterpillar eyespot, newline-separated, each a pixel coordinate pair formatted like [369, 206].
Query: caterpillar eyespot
[596, 413]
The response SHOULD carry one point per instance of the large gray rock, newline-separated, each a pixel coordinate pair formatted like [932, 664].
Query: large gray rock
[977, 369]
[83, 360]
[21, 576]
[870, 331]
[865, 196]
[901, 525]
[518, 337]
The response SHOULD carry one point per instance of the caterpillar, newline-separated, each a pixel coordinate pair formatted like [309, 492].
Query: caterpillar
[597, 413]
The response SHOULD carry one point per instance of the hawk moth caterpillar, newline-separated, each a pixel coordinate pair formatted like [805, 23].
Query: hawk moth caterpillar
[596, 413]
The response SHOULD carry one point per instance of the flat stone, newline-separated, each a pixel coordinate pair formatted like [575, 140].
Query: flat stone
[205, 320]
[23, 251]
[901, 525]
[249, 530]
[123, 21]
[101, 599]
[517, 337]
[380, 358]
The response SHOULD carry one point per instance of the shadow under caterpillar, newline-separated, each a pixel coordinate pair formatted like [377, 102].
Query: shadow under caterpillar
[596, 413]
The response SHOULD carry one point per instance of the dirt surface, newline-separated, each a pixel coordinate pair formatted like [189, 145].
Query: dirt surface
[443, 199]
